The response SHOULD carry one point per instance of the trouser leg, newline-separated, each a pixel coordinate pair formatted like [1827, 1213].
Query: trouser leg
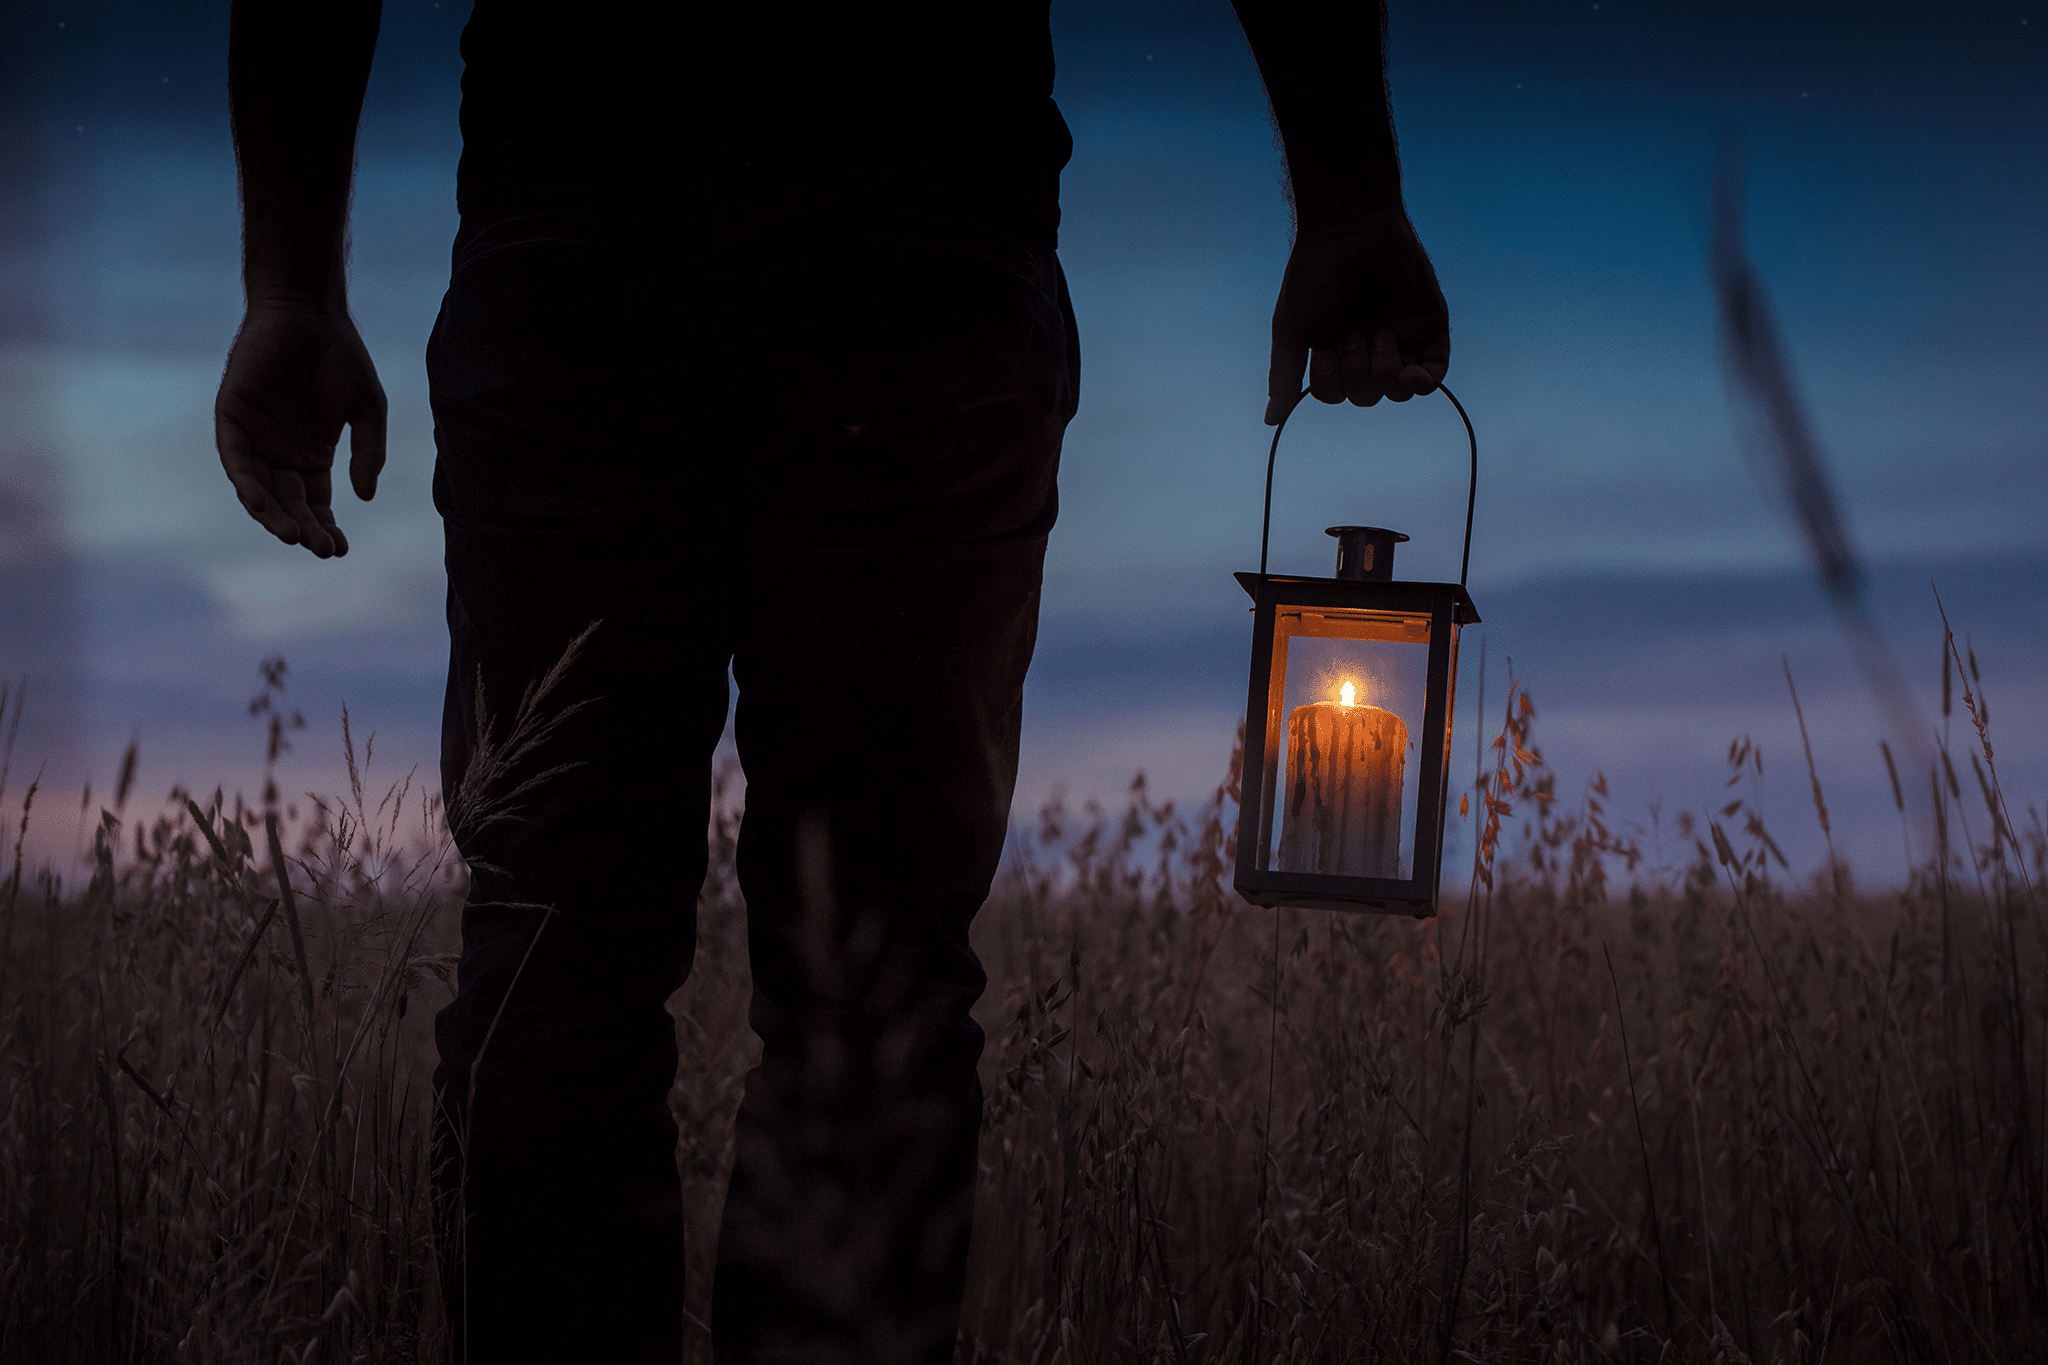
[865, 852]
[554, 1142]
[880, 683]
[560, 1209]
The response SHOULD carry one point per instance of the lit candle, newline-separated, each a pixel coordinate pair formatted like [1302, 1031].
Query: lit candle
[1345, 765]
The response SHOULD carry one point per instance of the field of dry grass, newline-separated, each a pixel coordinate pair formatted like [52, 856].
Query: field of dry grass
[1598, 1112]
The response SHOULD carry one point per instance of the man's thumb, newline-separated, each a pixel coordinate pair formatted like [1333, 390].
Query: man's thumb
[366, 449]
[1283, 380]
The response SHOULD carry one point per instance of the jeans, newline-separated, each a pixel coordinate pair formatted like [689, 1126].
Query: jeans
[824, 460]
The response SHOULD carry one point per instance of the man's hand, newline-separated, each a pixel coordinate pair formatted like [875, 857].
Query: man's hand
[1360, 309]
[298, 372]
[296, 375]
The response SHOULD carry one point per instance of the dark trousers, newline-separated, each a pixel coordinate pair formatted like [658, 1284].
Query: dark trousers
[824, 460]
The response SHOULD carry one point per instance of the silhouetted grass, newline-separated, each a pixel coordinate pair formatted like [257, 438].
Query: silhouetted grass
[1599, 1111]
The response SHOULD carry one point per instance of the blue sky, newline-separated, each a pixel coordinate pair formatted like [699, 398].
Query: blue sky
[1558, 158]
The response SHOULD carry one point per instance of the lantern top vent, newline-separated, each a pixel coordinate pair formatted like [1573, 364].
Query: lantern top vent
[1365, 553]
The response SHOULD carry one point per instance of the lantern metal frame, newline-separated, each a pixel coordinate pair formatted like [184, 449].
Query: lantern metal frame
[1366, 586]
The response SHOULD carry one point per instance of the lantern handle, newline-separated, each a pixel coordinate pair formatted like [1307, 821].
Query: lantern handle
[1471, 487]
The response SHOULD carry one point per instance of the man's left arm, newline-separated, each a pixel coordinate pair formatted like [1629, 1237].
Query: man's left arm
[298, 371]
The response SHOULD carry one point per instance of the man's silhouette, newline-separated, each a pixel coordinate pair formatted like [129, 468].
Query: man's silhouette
[757, 354]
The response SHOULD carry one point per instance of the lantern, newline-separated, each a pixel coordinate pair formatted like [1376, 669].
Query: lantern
[1347, 733]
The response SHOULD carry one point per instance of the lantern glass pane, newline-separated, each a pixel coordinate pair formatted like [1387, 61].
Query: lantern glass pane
[1344, 718]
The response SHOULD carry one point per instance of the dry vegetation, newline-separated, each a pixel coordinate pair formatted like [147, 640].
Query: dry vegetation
[1714, 1116]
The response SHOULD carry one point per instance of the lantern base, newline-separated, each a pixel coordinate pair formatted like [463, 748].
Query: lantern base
[1297, 900]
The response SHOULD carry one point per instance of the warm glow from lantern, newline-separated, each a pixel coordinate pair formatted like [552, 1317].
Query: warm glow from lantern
[1347, 695]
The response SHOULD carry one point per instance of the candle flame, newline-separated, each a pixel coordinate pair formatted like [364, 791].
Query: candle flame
[1347, 695]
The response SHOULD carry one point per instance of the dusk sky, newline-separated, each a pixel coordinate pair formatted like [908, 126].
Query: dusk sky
[1558, 161]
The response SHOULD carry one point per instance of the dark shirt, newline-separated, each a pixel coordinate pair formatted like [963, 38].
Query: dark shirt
[751, 113]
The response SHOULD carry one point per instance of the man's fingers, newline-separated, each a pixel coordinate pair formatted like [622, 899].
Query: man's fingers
[289, 491]
[320, 504]
[297, 501]
[1404, 372]
[251, 478]
[325, 517]
[1326, 375]
[275, 519]
[1365, 369]
[1386, 365]
[1418, 380]
[1360, 386]
[296, 508]
[1418, 366]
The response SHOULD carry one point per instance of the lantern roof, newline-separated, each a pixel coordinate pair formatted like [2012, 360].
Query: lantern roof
[1398, 594]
